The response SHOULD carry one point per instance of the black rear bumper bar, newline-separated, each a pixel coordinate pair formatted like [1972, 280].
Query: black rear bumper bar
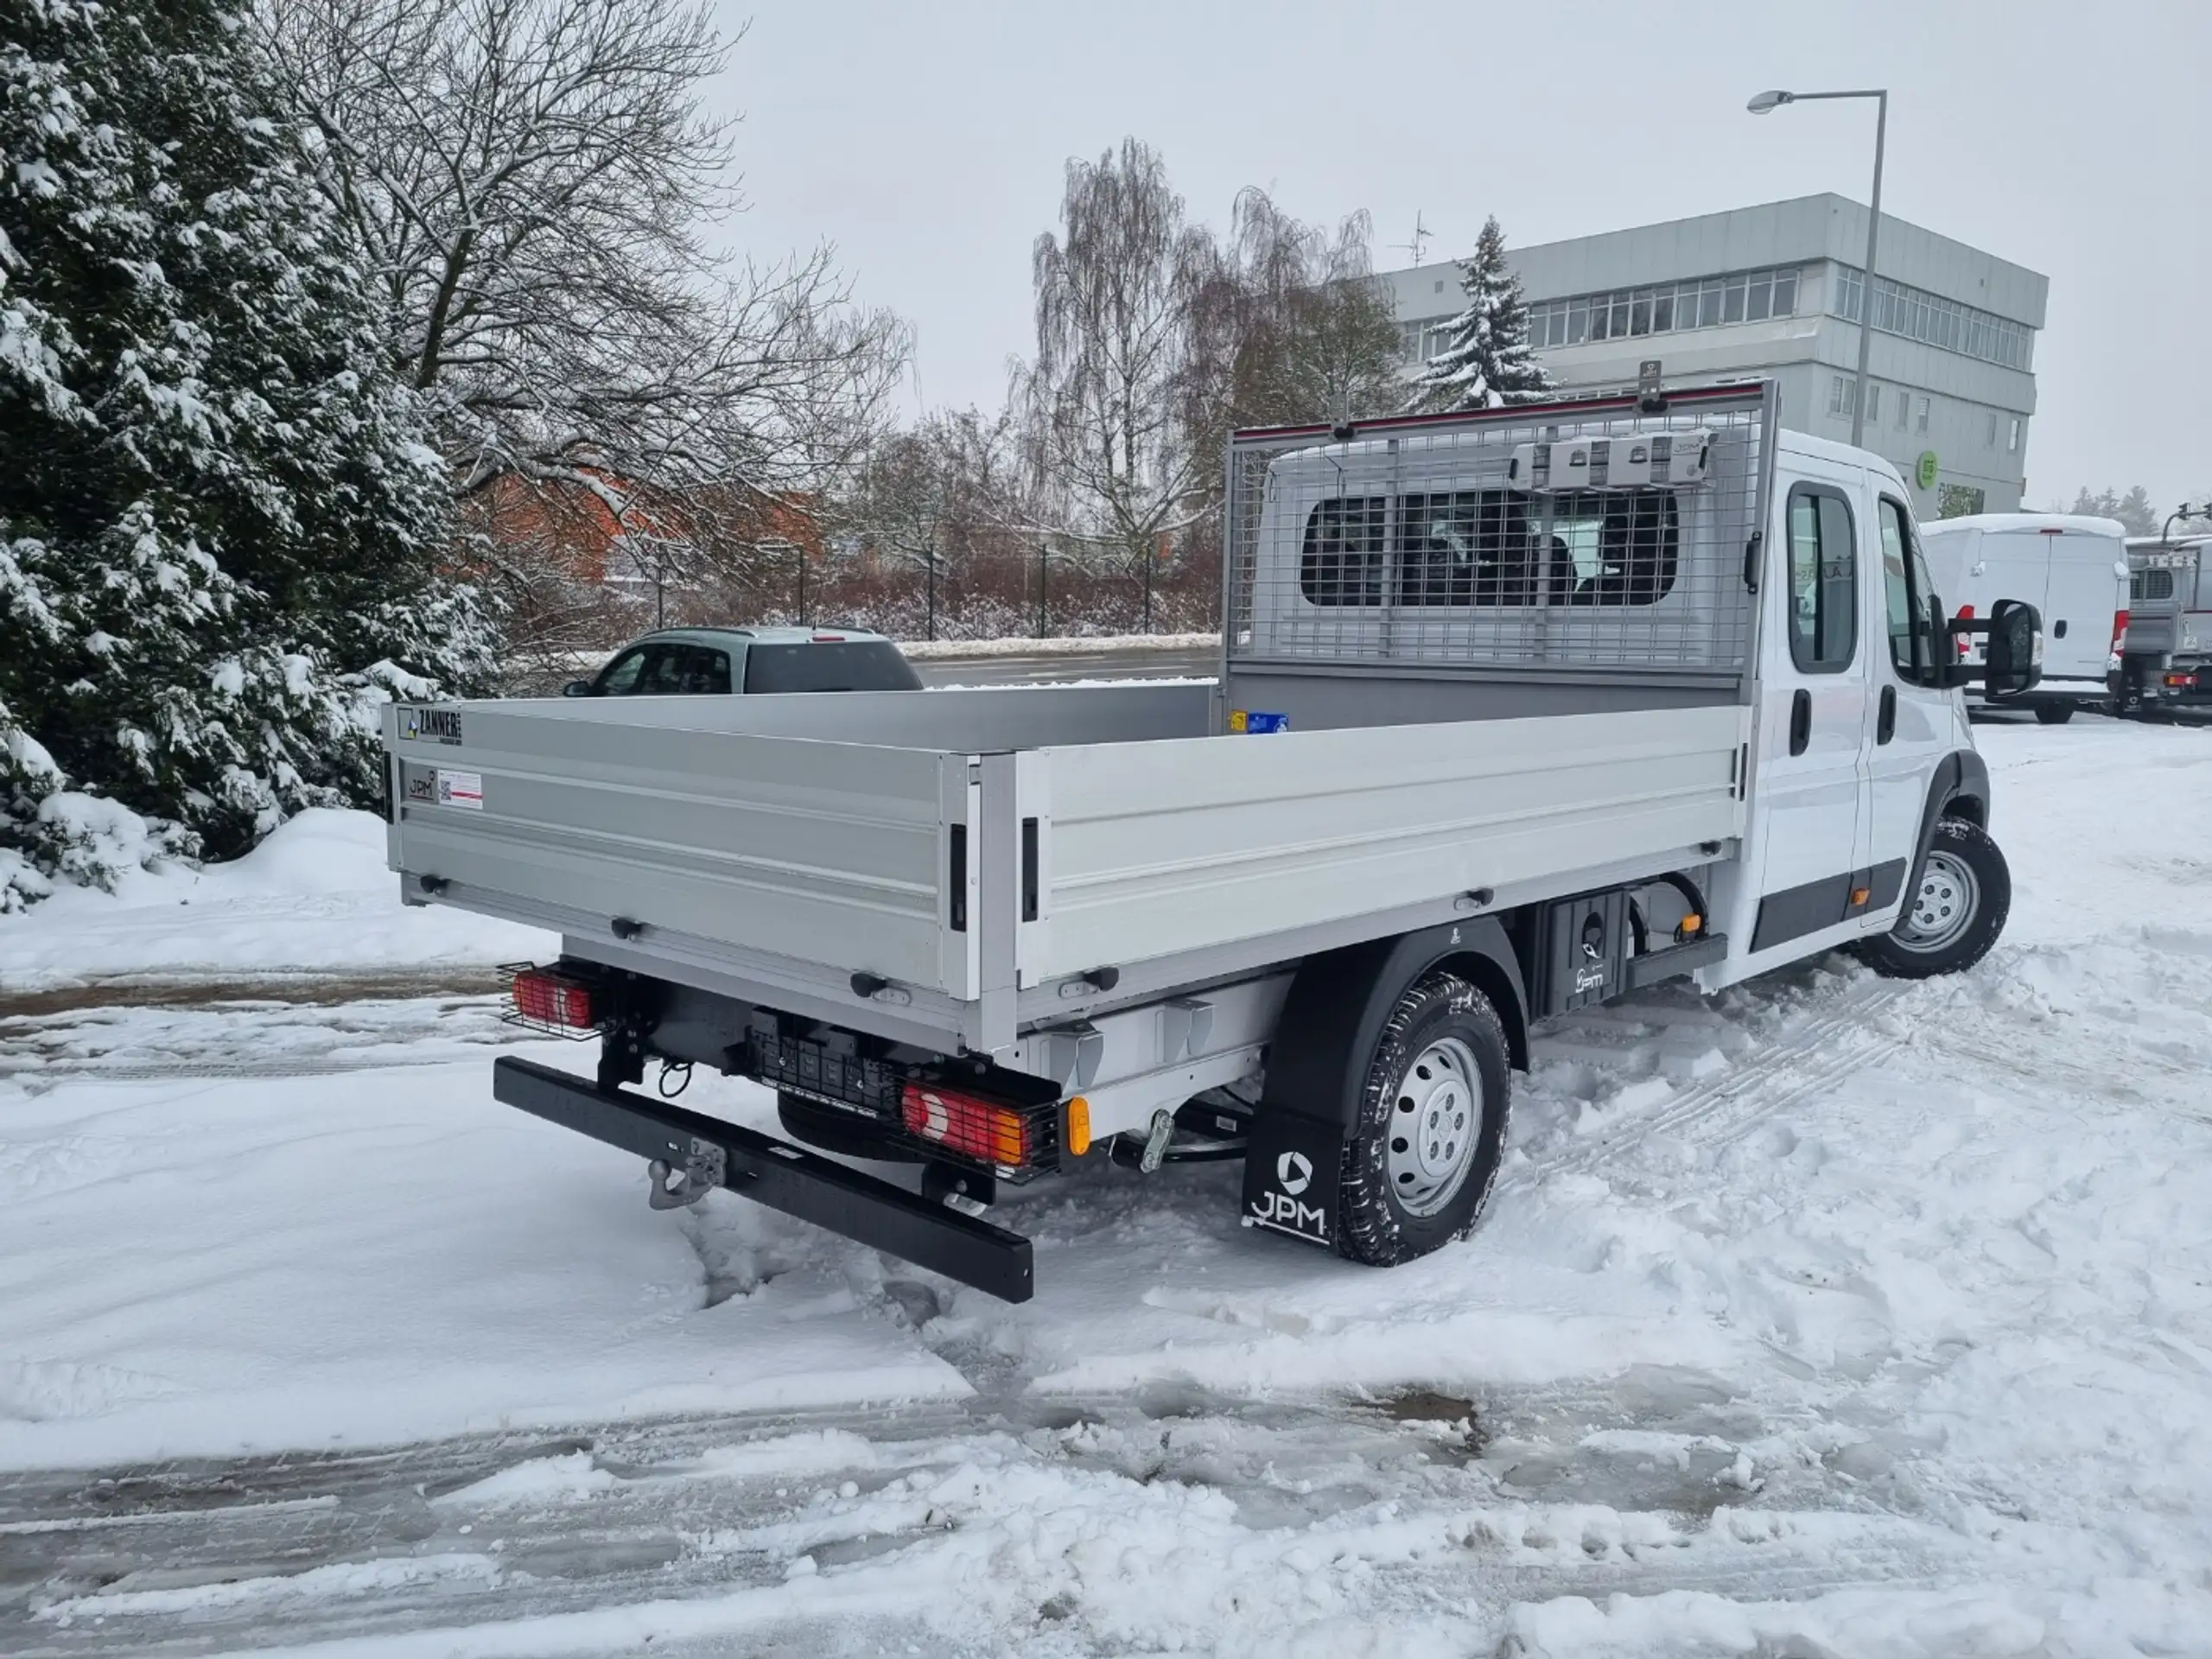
[781, 1176]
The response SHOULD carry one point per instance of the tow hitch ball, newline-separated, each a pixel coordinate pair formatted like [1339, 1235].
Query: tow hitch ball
[676, 1189]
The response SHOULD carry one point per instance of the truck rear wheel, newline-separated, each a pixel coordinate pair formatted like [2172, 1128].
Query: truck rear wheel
[2054, 713]
[1954, 915]
[1424, 1154]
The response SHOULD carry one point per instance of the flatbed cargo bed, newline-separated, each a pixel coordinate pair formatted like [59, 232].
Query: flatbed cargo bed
[954, 865]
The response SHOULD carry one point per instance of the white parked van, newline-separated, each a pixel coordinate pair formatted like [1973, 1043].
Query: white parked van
[2074, 570]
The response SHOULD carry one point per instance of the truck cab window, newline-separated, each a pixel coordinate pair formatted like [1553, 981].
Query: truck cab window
[1341, 562]
[1613, 547]
[2151, 584]
[1823, 582]
[1468, 548]
[1907, 590]
[1498, 547]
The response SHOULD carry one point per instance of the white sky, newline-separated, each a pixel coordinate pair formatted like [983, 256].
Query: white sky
[927, 142]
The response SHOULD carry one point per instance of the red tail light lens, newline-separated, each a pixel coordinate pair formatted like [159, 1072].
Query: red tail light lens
[1966, 645]
[967, 1124]
[2118, 628]
[546, 998]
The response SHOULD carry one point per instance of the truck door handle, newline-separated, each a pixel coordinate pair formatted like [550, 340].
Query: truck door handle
[1886, 722]
[1800, 721]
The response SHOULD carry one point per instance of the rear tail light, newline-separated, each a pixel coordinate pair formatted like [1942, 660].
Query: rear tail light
[2181, 681]
[2119, 629]
[1966, 645]
[554, 1001]
[967, 1124]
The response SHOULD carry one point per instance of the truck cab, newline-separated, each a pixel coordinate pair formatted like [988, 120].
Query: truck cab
[2165, 663]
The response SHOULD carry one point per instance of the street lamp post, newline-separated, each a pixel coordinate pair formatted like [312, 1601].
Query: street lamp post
[1766, 103]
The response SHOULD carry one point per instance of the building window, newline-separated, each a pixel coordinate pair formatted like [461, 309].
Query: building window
[2012, 445]
[1989, 437]
[1917, 314]
[1665, 309]
[1904, 407]
[1873, 403]
[1921, 424]
[1843, 395]
[1958, 501]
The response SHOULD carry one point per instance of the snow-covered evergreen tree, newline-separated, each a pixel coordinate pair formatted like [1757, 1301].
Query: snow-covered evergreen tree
[219, 523]
[1488, 362]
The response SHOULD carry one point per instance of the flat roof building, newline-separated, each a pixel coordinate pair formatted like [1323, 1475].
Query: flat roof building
[1776, 291]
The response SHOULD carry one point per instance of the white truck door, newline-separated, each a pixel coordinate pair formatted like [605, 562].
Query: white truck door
[1912, 720]
[1812, 778]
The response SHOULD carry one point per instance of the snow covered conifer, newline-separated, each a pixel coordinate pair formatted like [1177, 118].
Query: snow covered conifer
[220, 523]
[1488, 363]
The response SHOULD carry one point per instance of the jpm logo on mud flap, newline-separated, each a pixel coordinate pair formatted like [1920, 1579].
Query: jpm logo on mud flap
[435, 725]
[1283, 1205]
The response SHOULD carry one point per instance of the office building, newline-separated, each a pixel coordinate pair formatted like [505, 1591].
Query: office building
[1777, 291]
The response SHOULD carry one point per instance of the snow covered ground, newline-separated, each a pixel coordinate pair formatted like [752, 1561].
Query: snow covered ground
[1831, 1317]
[315, 898]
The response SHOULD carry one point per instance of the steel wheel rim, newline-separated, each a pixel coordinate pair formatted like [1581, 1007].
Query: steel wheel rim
[1436, 1115]
[1944, 907]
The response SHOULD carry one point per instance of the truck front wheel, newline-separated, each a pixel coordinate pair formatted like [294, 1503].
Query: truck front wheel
[1424, 1154]
[1954, 916]
[2054, 713]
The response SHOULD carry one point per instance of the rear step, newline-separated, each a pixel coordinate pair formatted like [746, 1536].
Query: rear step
[781, 1176]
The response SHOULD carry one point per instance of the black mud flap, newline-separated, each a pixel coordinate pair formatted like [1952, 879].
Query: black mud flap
[1292, 1166]
[799, 1183]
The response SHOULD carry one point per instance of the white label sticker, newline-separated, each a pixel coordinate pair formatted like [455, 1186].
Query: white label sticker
[464, 789]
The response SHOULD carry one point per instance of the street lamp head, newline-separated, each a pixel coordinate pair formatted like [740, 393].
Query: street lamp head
[1767, 103]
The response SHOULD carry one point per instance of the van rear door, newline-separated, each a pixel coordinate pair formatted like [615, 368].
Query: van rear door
[2084, 592]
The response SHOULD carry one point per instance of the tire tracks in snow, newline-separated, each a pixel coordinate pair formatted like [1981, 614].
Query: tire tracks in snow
[1794, 1064]
[1398, 1499]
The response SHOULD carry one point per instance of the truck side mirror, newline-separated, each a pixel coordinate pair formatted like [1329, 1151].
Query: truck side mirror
[2014, 660]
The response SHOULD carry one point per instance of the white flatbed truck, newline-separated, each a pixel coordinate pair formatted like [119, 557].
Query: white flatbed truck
[1519, 711]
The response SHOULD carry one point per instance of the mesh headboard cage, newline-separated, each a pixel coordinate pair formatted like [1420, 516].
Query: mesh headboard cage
[1570, 538]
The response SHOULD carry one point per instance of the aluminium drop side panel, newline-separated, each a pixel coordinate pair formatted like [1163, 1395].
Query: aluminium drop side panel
[833, 854]
[1153, 848]
[970, 720]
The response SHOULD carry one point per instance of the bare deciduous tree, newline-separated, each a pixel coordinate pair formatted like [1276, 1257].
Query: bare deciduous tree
[1120, 387]
[535, 183]
[932, 499]
[1153, 339]
[1316, 338]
